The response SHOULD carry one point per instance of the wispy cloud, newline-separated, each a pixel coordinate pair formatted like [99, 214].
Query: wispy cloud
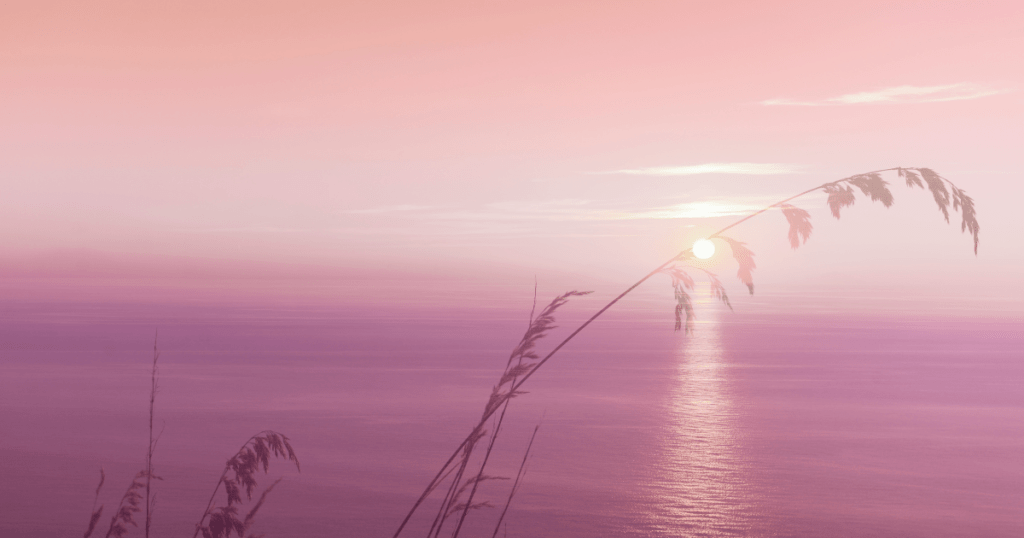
[583, 210]
[898, 94]
[755, 169]
[698, 210]
[528, 216]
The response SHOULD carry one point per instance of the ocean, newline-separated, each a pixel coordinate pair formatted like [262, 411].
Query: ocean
[773, 422]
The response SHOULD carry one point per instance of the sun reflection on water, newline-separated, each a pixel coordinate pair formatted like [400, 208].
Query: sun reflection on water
[699, 487]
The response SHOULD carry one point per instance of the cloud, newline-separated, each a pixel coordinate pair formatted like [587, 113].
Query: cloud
[584, 210]
[525, 216]
[756, 169]
[898, 94]
[698, 210]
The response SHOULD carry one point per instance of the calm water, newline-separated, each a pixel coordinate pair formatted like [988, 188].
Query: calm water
[762, 423]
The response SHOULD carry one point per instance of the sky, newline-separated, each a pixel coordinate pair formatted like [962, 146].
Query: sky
[508, 138]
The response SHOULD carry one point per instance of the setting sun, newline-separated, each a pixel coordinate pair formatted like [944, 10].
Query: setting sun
[703, 249]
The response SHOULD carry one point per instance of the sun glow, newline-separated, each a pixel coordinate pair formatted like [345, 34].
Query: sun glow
[703, 249]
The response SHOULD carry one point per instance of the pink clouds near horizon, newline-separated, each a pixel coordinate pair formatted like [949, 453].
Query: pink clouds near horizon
[900, 94]
[376, 133]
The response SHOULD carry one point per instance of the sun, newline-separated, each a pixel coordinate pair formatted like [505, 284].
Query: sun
[703, 249]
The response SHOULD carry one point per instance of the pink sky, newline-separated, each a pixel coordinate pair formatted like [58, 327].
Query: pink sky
[541, 135]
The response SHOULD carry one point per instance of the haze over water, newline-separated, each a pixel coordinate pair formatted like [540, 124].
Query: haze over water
[763, 422]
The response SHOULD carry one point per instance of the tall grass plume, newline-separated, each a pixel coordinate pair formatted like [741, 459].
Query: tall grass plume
[525, 361]
[240, 475]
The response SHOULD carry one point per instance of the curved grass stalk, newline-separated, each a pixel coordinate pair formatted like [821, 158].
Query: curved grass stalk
[841, 195]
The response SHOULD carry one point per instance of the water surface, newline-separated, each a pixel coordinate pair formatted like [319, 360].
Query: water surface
[761, 423]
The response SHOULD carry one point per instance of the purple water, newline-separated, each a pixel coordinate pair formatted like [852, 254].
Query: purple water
[761, 423]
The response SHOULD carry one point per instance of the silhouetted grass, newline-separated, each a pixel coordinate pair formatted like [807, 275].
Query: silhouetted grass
[152, 442]
[96, 512]
[128, 507]
[515, 485]
[525, 362]
[522, 362]
[239, 475]
[133, 496]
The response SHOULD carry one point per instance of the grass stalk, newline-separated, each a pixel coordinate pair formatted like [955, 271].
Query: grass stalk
[498, 423]
[841, 194]
[126, 509]
[480, 474]
[254, 454]
[515, 485]
[152, 442]
[96, 512]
